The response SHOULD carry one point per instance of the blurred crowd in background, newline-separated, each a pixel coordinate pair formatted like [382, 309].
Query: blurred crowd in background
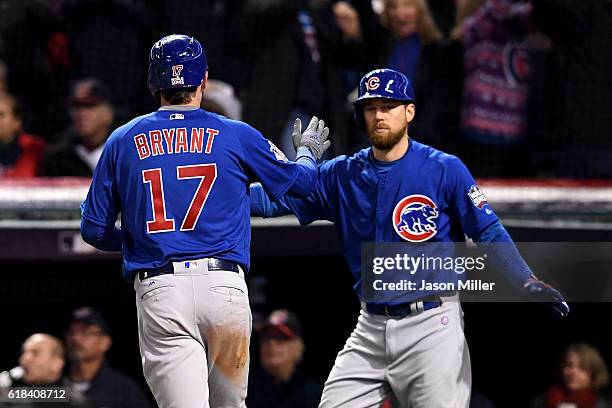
[76, 361]
[515, 88]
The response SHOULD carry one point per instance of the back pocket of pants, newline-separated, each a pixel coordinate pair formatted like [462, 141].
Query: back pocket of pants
[227, 290]
[155, 291]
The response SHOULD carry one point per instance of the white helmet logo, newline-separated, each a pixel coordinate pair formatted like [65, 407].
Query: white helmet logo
[387, 88]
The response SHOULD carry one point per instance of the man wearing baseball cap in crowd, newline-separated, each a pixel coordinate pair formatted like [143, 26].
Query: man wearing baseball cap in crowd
[92, 115]
[279, 383]
[88, 339]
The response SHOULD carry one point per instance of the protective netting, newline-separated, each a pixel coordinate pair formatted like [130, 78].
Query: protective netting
[517, 89]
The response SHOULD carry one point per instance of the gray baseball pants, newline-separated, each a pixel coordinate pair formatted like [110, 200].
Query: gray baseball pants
[419, 361]
[194, 329]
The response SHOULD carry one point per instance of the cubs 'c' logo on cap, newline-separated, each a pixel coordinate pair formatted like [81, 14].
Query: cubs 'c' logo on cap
[413, 218]
[177, 79]
[373, 83]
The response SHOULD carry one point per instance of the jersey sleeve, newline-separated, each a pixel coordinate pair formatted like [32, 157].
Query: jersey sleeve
[102, 205]
[270, 166]
[467, 200]
[321, 204]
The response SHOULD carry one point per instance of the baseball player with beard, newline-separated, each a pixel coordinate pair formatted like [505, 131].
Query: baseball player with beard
[179, 177]
[413, 351]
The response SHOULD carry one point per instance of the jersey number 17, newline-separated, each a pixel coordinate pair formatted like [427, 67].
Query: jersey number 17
[207, 173]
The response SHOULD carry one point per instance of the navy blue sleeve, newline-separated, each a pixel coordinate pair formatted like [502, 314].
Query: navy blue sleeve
[504, 254]
[271, 167]
[105, 238]
[262, 206]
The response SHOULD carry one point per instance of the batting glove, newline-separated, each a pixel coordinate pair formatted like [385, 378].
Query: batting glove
[543, 292]
[314, 137]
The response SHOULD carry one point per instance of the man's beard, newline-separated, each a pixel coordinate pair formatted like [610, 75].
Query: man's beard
[386, 142]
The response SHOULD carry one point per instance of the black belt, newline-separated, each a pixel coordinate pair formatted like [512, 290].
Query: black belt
[402, 309]
[213, 265]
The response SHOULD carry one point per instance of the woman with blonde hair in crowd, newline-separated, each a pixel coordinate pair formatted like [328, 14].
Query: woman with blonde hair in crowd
[584, 378]
[412, 27]
[412, 43]
[403, 35]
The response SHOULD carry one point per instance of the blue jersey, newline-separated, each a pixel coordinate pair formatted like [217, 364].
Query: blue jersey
[426, 196]
[179, 178]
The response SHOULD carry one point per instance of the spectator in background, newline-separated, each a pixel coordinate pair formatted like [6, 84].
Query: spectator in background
[109, 39]
[409, 41]
[494, 106]
[444, 13]
[42, 360]
[410, 24]
[3, 79]
[279, 383]
[292, 46]
[88, 340]
[402, 34]
[220, 98]
[584, 376]
[34, 47]
[214, 23]
[574, 92]
[92, 119]
[20, 152]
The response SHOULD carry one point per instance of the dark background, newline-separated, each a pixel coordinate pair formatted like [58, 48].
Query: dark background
[514, 347]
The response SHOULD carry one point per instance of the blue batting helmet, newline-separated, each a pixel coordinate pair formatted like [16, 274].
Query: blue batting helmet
[382, 83]
[176, 61]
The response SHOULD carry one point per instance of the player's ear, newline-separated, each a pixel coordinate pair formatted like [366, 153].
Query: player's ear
[204, 81]
[298, 349]
[410, 112]
[58, 364]
[107, 342]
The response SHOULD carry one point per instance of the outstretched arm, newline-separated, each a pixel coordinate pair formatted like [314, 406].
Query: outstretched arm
[305, 180]
[509, 261]
[262, 206]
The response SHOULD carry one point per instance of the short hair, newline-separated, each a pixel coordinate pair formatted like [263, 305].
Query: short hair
[56, 345]
[591, 361]
[177, 96]
[13, 103]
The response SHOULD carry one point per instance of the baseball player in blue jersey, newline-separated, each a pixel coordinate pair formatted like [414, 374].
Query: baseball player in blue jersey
[413, 351]
[179, 178]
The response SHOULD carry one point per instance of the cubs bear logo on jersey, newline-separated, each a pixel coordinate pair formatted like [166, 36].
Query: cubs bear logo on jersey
[414, 218]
